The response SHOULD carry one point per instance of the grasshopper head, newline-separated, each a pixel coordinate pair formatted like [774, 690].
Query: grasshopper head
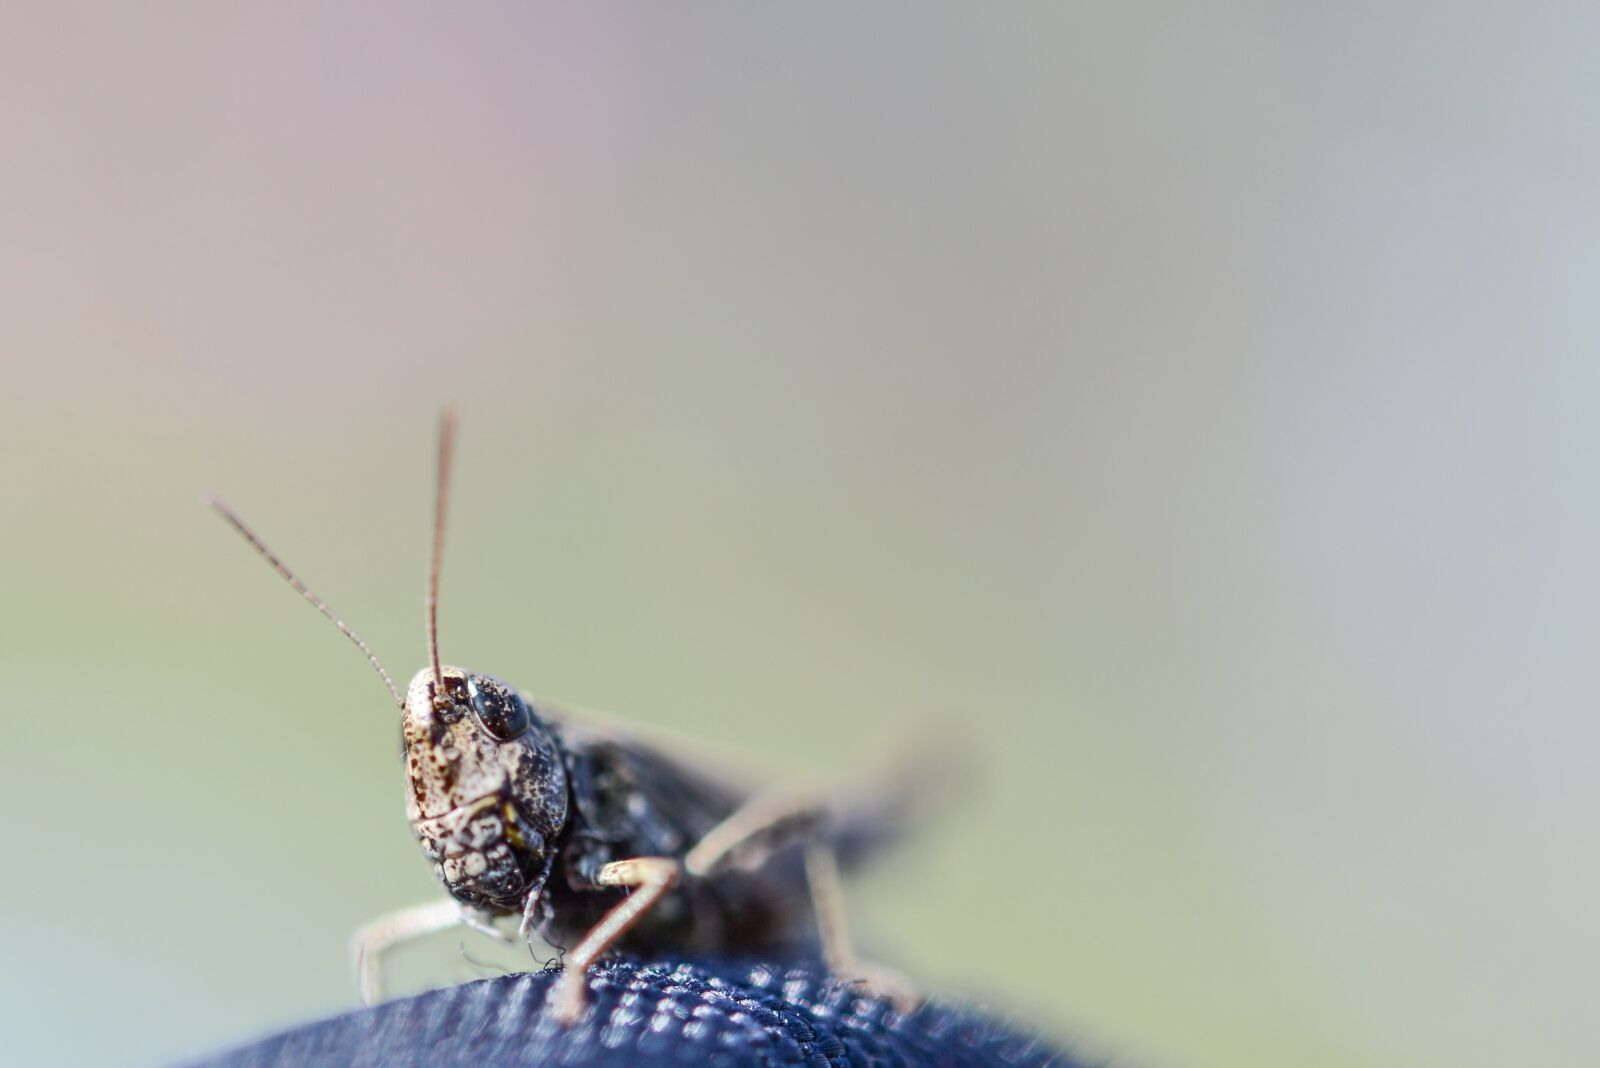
[486, 789]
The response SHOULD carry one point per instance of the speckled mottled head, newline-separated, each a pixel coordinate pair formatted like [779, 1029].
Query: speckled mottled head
[486, 788]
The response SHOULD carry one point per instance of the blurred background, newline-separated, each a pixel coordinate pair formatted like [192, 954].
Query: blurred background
[1188, 409]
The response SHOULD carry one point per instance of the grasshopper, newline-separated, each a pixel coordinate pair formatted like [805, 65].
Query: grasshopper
[592, 838]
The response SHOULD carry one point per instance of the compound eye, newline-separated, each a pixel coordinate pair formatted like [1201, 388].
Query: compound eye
[500, 711]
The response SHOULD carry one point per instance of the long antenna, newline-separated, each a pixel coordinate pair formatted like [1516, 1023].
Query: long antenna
[305, 591]
[447, 435]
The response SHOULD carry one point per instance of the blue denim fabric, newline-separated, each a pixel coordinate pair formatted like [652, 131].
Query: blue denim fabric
[710, 1013]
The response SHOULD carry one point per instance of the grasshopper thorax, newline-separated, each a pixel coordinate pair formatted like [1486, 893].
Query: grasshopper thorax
[486, 789]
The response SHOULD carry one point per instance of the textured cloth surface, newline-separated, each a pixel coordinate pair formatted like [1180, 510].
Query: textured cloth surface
[760, 1015]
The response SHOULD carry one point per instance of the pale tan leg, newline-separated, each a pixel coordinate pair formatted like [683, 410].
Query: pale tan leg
[781, 817]
[483, 923]
[370, 942]
[838, 952]
[529, 916]
[827, 902]
[650, 878]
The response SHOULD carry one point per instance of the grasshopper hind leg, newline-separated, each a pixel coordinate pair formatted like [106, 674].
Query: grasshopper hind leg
[775, 821]
[838, 950]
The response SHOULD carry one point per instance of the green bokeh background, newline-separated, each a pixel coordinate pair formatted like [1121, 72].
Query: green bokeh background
[1187, 410]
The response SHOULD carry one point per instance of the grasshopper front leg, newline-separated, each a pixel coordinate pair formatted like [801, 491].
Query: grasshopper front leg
[649, 878]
